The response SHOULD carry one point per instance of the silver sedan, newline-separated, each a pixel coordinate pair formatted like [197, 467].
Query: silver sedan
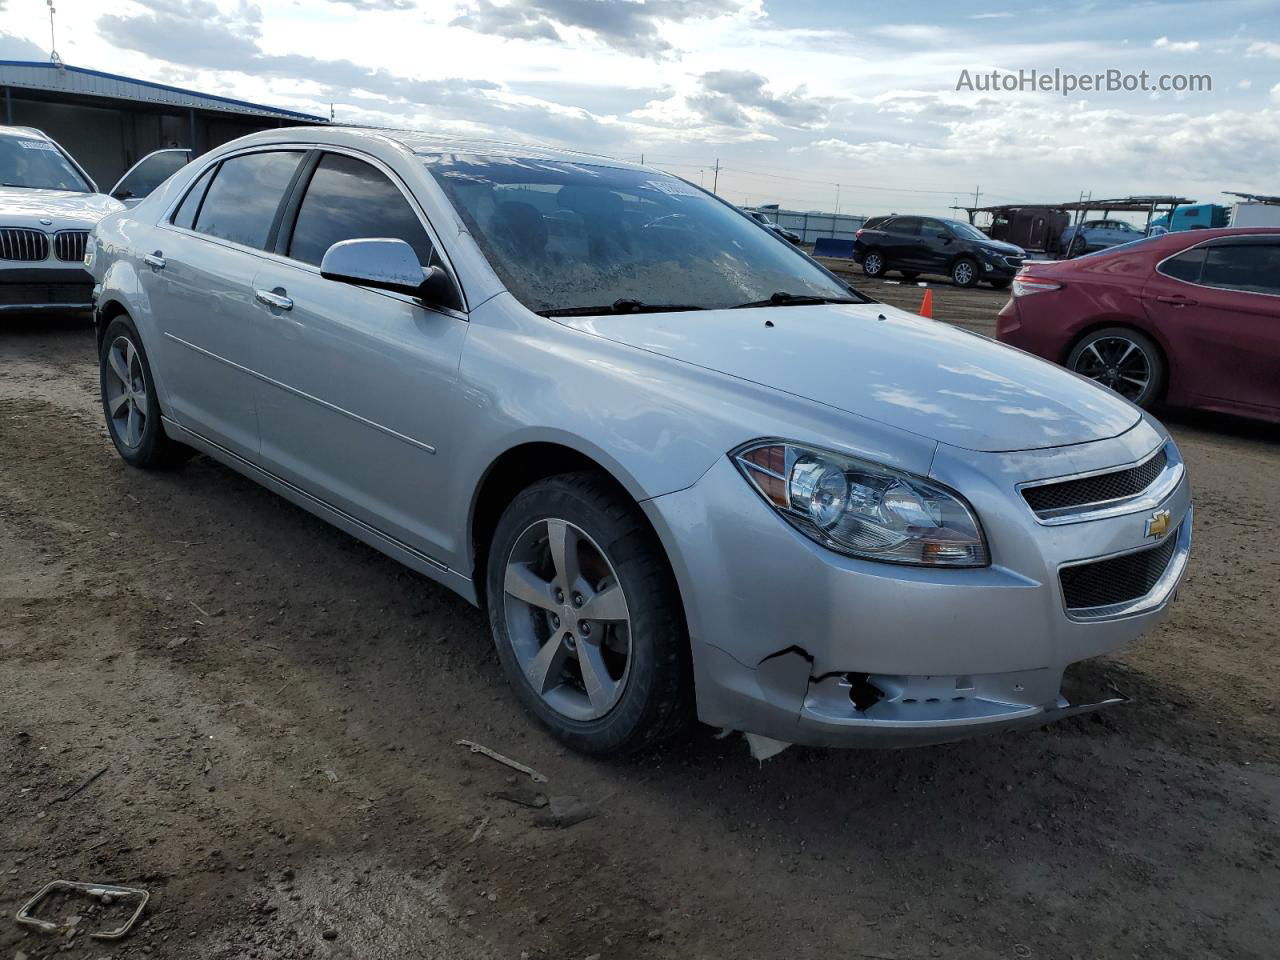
[683, 468]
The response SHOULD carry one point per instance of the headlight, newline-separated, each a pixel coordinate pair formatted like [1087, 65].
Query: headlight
[864, 509]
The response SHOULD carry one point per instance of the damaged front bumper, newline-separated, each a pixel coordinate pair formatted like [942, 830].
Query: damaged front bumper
[793, 642]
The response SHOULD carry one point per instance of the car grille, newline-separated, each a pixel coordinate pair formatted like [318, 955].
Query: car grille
[1117, 580]
[46, 294]
[19, 243]
[69, 245]
[1013, 261]
[1101, 488]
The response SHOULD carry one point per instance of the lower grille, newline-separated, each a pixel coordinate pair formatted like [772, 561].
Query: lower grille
[68, 245]
[45, 294]
[1119, 579]
[1102, 488]
[19, 243]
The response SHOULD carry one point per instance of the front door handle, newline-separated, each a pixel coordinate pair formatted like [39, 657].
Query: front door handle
[154, 260]
[272, 299]
[1178, 300]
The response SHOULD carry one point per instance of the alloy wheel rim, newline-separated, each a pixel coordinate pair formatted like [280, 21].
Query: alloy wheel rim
[128, 398]
[1117, 363]
[873, 264]
[963, 273]
[567, 619]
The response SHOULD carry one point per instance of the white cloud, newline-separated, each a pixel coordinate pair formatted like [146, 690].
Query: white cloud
[1263, 48]
[1176, 46]
[1244, 84]
[1275, 92]
[1003, 15]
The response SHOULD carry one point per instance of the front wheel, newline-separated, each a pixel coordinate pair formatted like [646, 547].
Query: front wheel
[129, 400]
[964, 272]
[586, 617]
[873, 264]
[1123, 359]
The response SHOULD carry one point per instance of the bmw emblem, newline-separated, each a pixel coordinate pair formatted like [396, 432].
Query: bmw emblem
[46, 221]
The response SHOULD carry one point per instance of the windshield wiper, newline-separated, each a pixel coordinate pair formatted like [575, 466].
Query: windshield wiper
[621, 305]
[784, 299]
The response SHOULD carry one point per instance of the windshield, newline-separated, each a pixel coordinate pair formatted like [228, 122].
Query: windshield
[566, 235]
[967, 230]
[38, 164]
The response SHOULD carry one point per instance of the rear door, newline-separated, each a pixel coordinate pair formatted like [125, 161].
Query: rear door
[356, 383]
[1218, 304]
[199, 282]
[902, 238]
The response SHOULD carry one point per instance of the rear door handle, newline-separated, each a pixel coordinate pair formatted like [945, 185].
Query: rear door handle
[1178, 301]
[154, 260]
[272, 299]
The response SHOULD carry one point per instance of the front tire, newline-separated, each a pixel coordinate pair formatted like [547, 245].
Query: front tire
[964, 272]
[129, 400]
[1124, 360]
[586, 617]
[873, 264]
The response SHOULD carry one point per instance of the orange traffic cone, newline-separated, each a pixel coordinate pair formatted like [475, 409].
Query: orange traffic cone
[926, 305]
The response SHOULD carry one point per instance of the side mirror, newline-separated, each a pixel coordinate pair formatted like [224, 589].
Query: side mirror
[387, 264]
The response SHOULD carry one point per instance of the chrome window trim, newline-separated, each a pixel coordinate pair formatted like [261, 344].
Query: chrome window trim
[1156, 493]
[166, 220]
[1218, 242]
[1157, 597]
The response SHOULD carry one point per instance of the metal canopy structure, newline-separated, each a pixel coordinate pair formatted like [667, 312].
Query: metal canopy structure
[1254, 197]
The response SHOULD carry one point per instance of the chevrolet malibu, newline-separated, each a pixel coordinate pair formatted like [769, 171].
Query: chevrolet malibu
[682, 468]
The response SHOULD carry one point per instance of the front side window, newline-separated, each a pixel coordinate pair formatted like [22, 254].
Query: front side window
[37, 164]
[566, 236]
[151, 171]
[348, 199]
[1251, 268]
[241, 203]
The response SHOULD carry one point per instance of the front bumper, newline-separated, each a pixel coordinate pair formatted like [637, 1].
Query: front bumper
[54, 288]
[797, 643]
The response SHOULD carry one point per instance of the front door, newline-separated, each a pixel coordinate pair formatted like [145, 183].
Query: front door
[356, 383]
[199, 282]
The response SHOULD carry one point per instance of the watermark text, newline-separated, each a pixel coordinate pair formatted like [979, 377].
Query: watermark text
[1068, 83]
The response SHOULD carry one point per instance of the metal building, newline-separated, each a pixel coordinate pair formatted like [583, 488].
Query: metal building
[108, 122]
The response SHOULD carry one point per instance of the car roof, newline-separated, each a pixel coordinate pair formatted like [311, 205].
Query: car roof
[25, 132]
[423, 143]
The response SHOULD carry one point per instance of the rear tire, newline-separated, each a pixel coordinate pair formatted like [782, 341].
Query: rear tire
[129, 400]
[565, 548]
[873, 264]
[1123, 360]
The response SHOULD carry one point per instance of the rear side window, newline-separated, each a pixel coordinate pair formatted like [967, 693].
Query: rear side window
[185, 215]
[246, 192]
[349, 199]
[907, 226]
[1185, 266]
[1254, 268]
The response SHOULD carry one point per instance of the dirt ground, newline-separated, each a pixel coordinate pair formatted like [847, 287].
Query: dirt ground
[275, 707]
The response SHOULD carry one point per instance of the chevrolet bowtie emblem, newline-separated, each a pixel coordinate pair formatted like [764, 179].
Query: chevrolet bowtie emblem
[1157, 524]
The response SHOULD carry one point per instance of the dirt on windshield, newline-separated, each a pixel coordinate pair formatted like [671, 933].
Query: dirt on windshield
[209, 694]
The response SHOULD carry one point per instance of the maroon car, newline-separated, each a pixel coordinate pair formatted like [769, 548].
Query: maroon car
[1188, 319]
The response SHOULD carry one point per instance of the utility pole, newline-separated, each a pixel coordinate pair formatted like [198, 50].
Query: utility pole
[53, 41]
[976, 194]
[837, 199]
[642, 159]
[715, 182]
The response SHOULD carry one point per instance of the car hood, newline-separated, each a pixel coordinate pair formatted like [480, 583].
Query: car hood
[21, 207]
[878, 362]
[999, 246]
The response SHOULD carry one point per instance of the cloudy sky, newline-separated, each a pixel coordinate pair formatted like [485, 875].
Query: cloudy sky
[791, 96]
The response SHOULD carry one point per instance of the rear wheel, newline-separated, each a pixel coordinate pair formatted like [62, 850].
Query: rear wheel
[1078, 247]
[873, 264]
[129, 400]
[1124, 360]
[586, 617]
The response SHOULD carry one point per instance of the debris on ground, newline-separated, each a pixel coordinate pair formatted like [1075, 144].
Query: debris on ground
[565, 812]
[105, 901]
[524, 796]
[762, 748]
[533, 774]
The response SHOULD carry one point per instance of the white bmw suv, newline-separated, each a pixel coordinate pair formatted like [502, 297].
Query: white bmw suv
[48, 205]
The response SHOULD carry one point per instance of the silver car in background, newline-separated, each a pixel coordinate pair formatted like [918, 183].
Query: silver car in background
[681, 466]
